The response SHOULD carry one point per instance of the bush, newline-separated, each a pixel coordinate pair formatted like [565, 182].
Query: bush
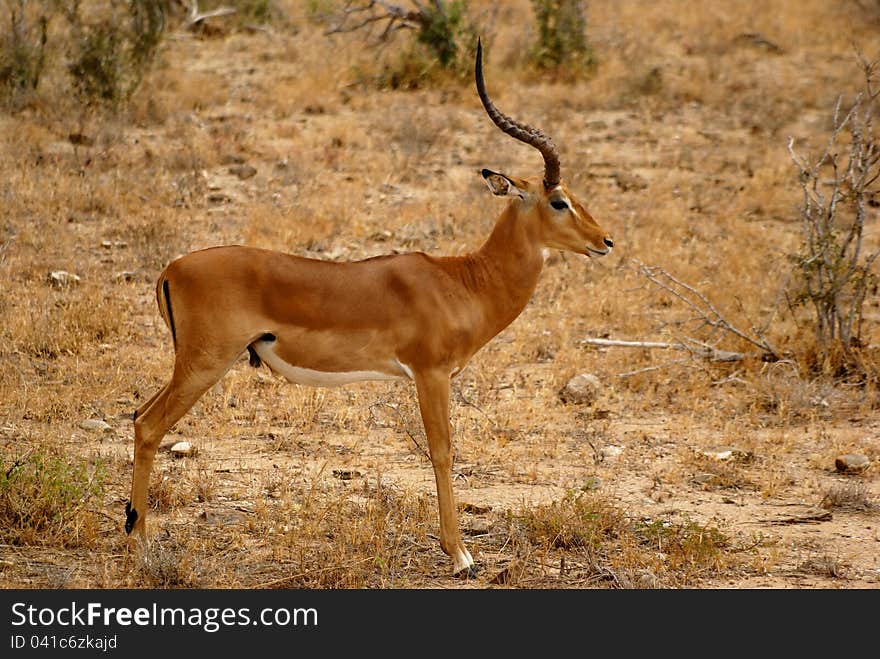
[833, 272]
[43, 499]
[445, 37]
[22, 52]
[108, 58]
[562, 36]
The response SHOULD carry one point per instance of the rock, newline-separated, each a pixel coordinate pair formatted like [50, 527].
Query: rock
[629, 181]
[851, 463]
[80, 139]
[63, 279]
[704, 478]
[727, 453]
[219, 198]
[582, 389]
[181, 450]
[346, 474]
[95, 425]
[477, 526]
[509, 574]
[611, 451]
[243, 171]
[474, 509]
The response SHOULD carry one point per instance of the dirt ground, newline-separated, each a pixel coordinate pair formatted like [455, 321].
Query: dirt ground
[677, 145]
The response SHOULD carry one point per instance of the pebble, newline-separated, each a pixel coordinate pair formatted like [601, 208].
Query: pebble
[181, 449]
[851, 463]
[62, 278]
[726, 453]
[611, 451]
[581, 389]
[95, 425]
[243, 171]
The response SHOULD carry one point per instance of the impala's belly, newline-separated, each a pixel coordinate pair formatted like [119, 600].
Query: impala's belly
[390, 369]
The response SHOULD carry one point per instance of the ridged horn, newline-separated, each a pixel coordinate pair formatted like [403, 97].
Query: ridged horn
[518, 130]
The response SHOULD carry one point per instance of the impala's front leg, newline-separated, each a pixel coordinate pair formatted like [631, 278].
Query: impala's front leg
[433, 391]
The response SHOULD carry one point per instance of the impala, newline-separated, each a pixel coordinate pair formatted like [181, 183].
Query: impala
[327, 323]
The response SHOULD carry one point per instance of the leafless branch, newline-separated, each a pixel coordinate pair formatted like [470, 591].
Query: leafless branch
[196, 17]
[361, 14]
[833, 272]
[705, 311]
[696, 348]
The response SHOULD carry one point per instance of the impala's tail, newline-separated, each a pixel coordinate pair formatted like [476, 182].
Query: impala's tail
[163, 299]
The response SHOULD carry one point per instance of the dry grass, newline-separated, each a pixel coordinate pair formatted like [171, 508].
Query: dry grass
[676, 143]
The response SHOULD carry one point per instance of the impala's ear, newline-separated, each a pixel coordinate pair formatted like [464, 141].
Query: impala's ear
[502, 186]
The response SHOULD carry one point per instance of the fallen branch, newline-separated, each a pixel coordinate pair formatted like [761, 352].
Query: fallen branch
[196, 17]
[810, 516]
[694, 347]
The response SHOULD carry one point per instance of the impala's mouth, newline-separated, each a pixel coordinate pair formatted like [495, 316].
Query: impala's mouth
[592, 251]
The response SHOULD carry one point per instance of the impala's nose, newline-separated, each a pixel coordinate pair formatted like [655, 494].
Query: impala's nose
[608, 243]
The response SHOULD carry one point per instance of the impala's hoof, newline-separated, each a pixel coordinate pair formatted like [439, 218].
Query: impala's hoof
[130, 518]
[469, 572]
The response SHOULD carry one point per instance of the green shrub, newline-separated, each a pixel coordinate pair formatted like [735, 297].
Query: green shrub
[22, 52]
[444, 42]
[44, 499]
[108, 58]
[562, 36]
[834, 267]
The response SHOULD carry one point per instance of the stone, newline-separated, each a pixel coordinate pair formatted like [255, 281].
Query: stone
[610, 452]
[727, 453]
[95, 425]
[851, 463]
[181, 449]
[243, 171]
[582, 389]
[63, 279]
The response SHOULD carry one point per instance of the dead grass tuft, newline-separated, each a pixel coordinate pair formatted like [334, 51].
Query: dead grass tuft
[676, 143]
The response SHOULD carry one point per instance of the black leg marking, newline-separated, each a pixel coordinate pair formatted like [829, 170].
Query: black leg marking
[130, 518]
[254, 359]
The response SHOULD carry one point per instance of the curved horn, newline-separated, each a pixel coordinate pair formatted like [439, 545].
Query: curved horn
[518, 130]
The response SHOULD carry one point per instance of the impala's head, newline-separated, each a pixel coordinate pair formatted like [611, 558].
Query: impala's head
[565, 223]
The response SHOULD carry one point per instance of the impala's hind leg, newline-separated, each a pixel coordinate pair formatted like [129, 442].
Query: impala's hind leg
[154, 418]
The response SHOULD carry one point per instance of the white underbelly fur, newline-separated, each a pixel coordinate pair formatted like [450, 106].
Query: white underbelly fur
[313, 378]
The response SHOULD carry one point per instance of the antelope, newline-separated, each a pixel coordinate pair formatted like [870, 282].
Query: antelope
[327, 323]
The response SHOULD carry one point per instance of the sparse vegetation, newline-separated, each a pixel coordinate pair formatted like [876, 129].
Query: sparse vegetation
[834, 266]
[45, 499]
[22, 51]
[109, 56]
[678, 144]
[445, 37]
[561, 41]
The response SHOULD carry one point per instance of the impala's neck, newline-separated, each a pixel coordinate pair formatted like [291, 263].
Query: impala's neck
[507, 267]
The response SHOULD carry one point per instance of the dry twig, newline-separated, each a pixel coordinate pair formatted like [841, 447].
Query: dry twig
[708, 315]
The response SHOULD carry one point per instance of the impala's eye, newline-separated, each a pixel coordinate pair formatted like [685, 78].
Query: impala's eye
[558, 204]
